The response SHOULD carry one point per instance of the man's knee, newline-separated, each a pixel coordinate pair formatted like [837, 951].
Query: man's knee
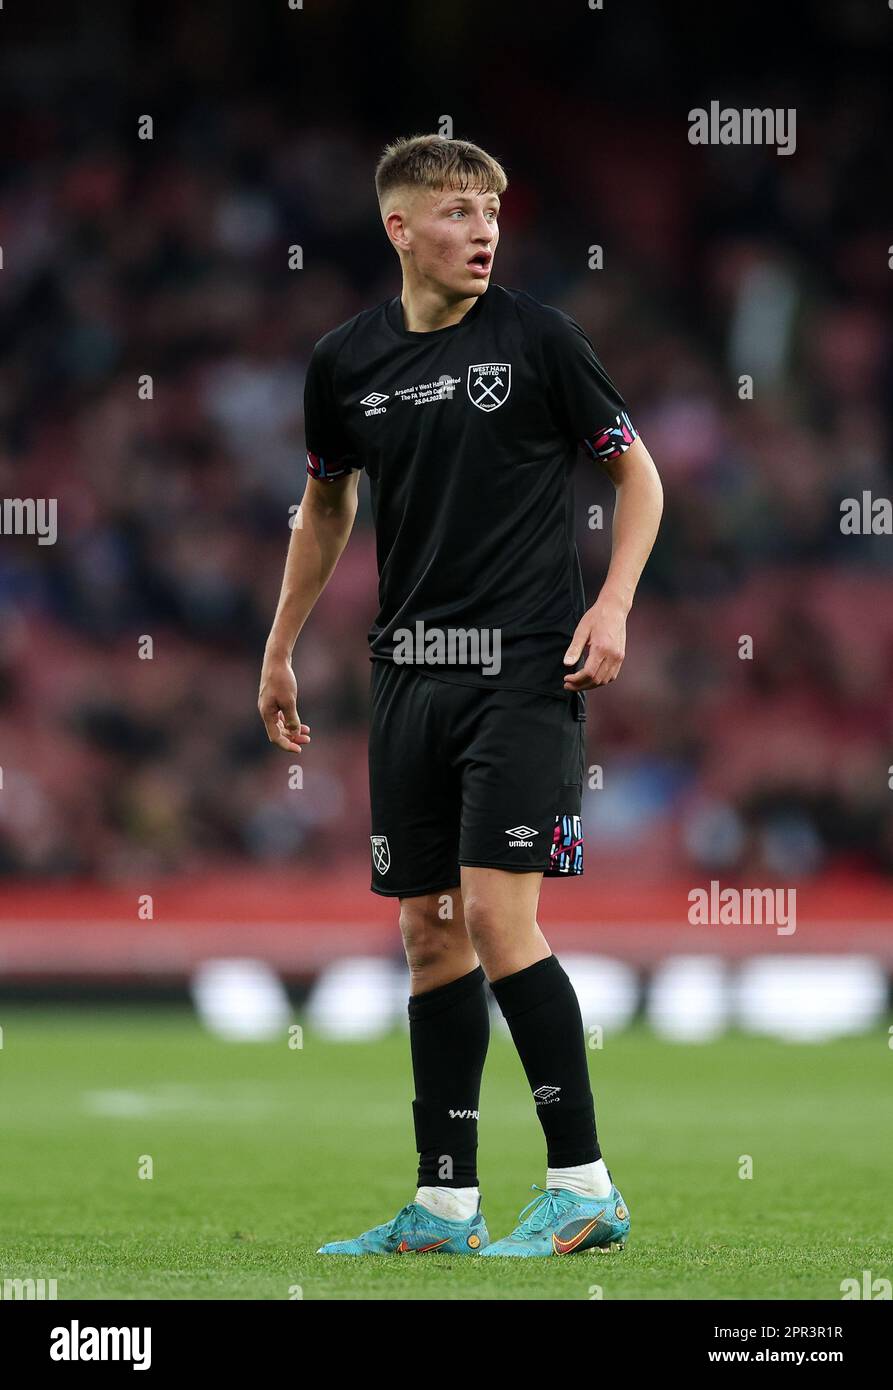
[484, 917]
[500, 906]
[432, 927]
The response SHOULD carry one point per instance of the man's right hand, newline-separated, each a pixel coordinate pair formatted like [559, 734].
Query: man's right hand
[278, 705]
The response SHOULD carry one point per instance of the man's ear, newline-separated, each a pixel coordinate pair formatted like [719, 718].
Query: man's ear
[395, 226]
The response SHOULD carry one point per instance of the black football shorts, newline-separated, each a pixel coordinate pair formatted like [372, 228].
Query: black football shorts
[464, 775]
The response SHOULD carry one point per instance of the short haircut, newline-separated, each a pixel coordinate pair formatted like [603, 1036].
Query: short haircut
[430, 161]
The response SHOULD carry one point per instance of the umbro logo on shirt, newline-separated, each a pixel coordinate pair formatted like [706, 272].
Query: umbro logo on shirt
[375, 399]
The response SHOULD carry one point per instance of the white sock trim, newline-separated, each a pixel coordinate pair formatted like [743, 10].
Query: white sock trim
[586, 1179]
[449, 1203]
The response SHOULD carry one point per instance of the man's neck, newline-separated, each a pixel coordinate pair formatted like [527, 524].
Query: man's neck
[425, 309]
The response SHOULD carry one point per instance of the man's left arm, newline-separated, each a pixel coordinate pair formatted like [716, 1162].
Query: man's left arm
[601, 632]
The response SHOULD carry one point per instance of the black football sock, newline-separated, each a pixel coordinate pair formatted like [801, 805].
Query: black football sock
[449, 1030]
[542, 1011]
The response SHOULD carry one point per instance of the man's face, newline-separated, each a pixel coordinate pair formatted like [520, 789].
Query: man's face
[450, 237]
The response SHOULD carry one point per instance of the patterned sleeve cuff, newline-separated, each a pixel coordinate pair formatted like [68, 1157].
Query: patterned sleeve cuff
[613, 440]
[317, 467]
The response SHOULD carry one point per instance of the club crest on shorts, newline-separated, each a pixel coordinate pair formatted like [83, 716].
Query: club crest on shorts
[381, 853]
[489, 384]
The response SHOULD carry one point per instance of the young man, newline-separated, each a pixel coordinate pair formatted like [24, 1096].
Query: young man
[465, 403]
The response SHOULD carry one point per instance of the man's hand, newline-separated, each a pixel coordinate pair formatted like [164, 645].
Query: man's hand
[278, 705]
[602, 629]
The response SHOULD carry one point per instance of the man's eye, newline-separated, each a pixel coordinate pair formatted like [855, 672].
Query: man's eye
[457, 212]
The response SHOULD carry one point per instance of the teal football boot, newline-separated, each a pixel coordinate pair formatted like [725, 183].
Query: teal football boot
[562, 1222]
[416, 1230]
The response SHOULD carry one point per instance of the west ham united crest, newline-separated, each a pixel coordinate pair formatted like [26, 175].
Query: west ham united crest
[381, 854]
[489, 384]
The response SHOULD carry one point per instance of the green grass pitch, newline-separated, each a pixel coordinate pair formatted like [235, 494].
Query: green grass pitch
[261, 1152]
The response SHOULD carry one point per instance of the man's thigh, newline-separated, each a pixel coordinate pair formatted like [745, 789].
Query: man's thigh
[522, 783]
[414, 790]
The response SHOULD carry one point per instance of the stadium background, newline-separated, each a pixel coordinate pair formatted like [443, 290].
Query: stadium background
[129, 780]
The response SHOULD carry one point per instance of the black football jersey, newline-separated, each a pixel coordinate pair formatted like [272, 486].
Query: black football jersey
[469, 436]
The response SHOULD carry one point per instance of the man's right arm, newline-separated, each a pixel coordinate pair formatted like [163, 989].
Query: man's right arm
[321, 531]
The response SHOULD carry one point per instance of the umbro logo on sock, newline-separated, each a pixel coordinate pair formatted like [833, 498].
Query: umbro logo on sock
[464, 1115]
[544, 1095]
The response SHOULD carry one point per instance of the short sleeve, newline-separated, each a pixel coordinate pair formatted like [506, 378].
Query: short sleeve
[330, 454]
[587, 405]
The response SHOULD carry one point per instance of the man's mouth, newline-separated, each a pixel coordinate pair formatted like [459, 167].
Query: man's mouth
[480, 263]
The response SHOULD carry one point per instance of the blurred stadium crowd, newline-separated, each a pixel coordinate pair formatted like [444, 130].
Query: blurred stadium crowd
[170, 258]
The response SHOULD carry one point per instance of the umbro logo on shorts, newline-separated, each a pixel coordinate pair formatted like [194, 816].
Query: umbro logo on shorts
[522, 836]
[381, 853]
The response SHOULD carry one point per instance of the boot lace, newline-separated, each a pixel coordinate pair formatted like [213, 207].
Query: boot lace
[545, 1210]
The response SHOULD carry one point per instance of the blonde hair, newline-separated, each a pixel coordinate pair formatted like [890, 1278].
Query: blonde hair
[430, 161]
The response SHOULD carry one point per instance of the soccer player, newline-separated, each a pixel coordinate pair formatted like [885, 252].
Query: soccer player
[465, 403]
